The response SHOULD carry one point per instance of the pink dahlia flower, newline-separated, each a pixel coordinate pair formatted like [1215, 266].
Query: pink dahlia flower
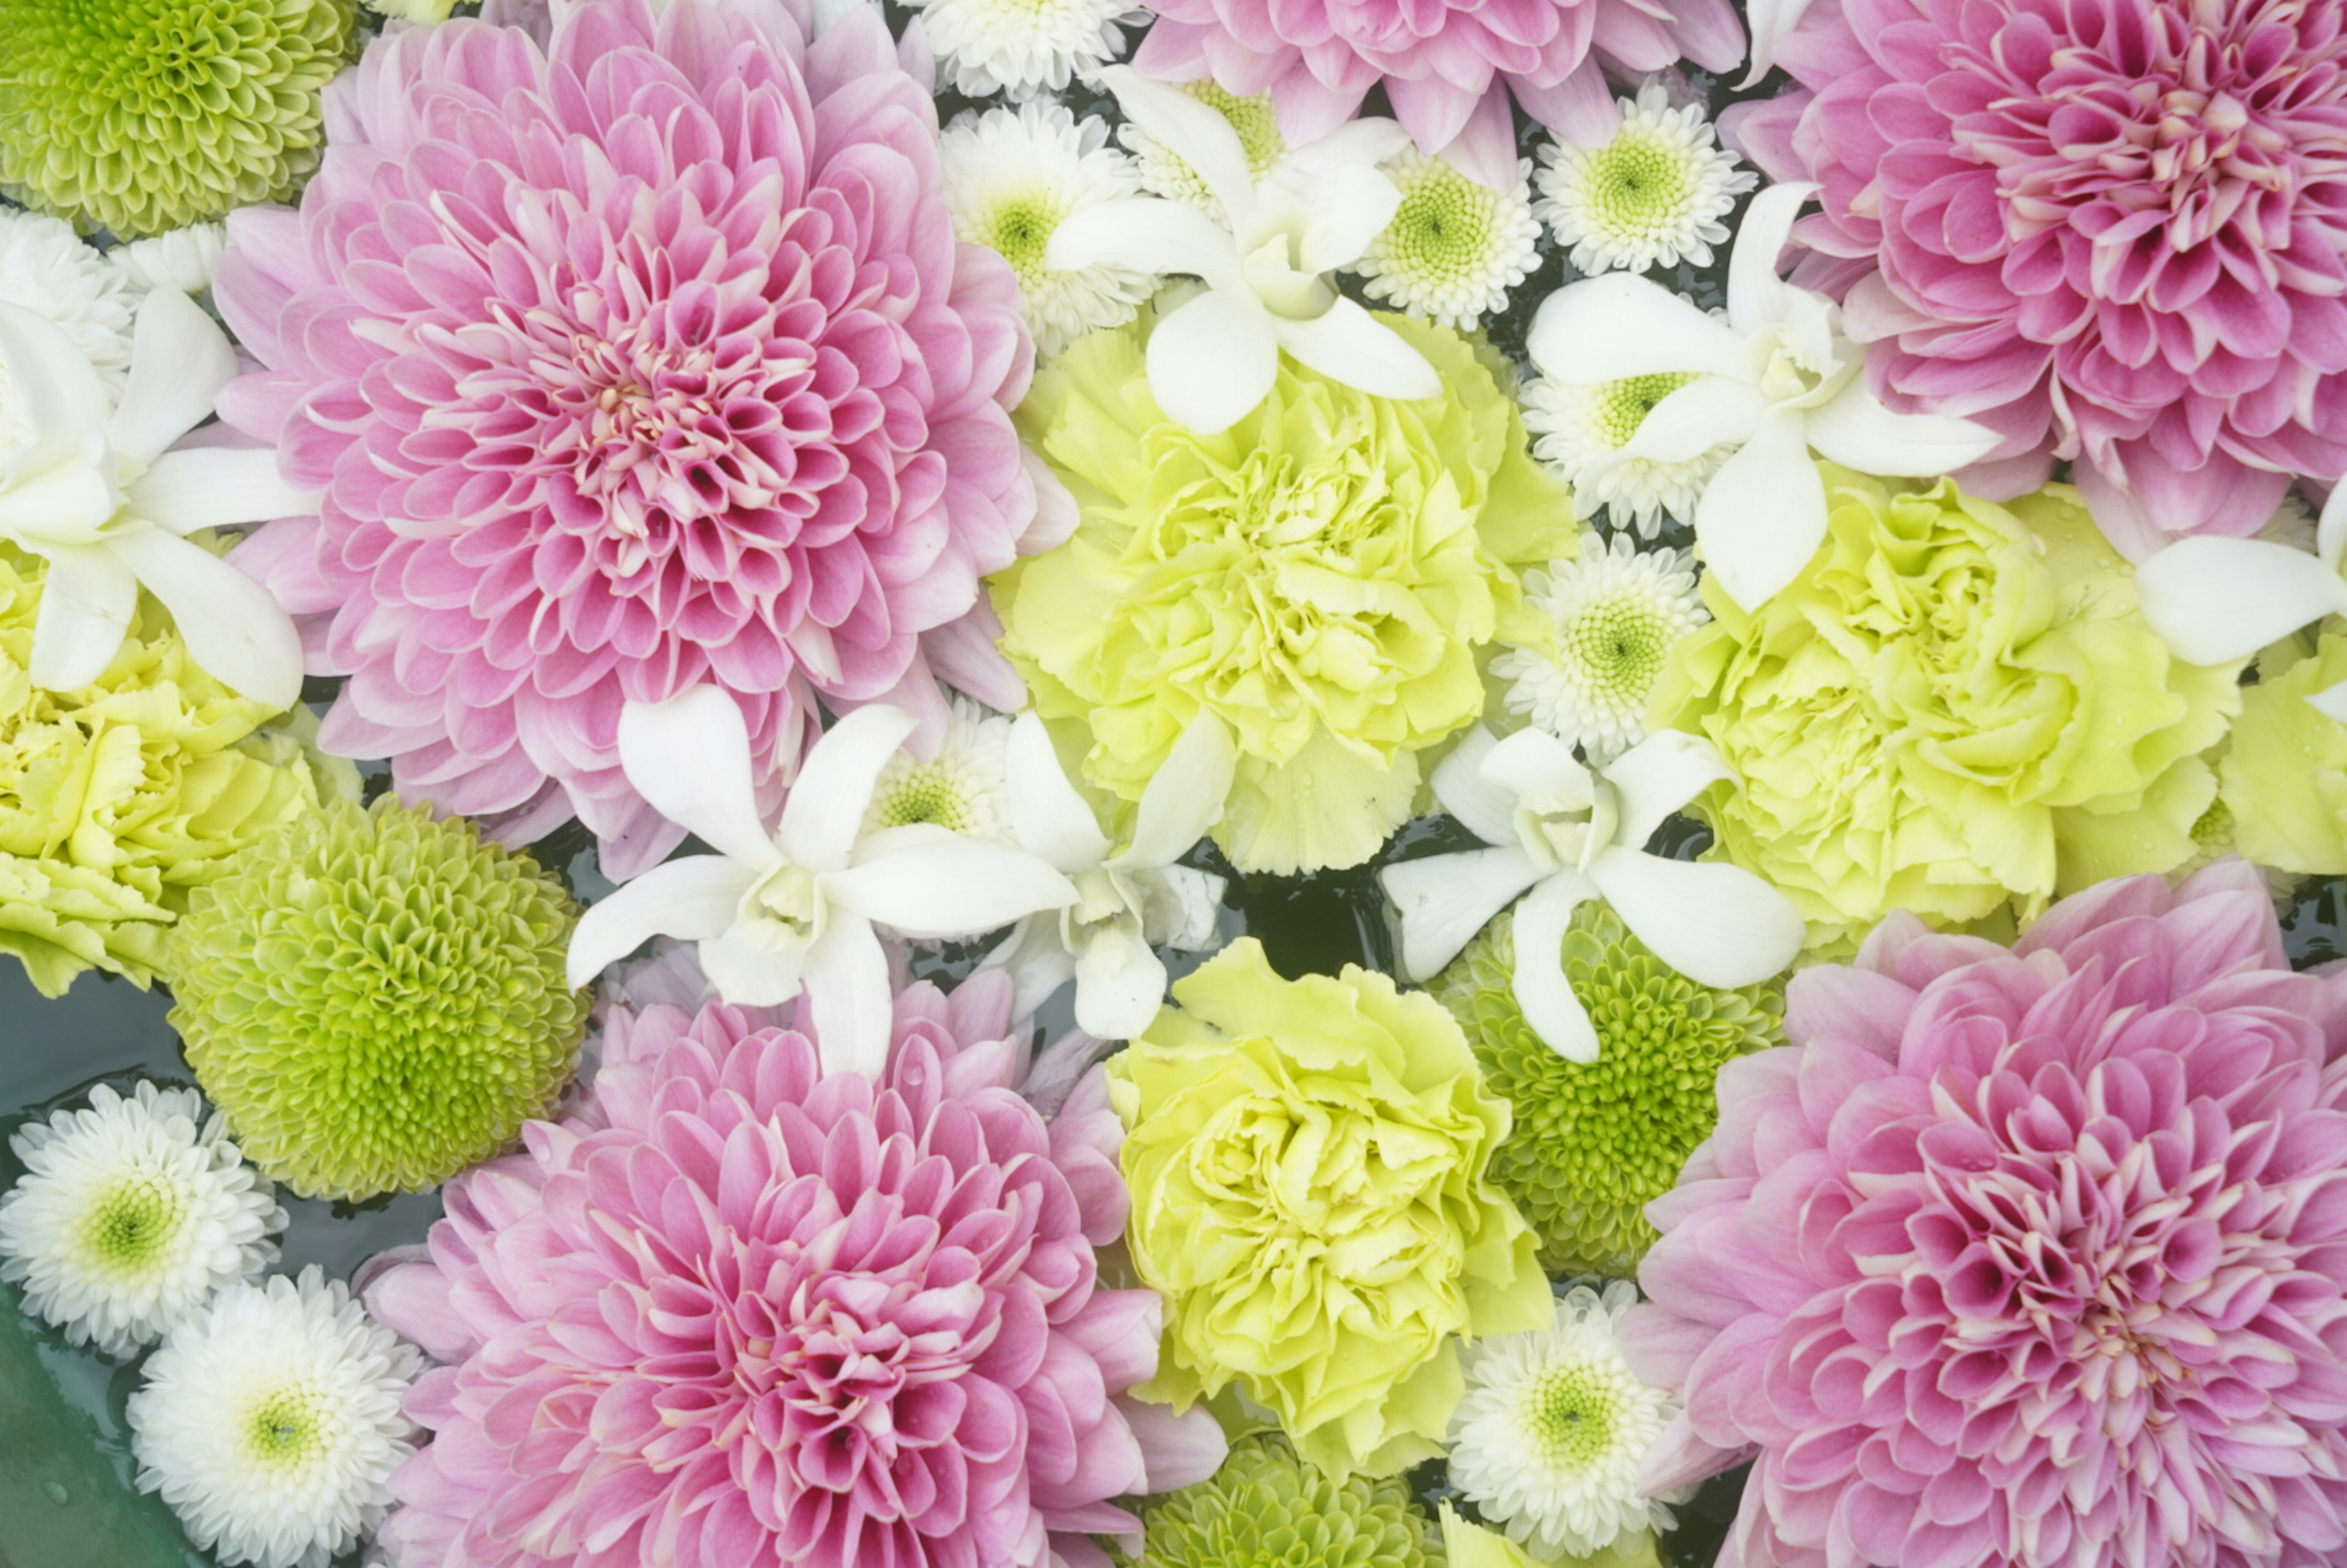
[2026, 1258]
[735, 1314]
[1448, 66]
[631, 350]
[2115, 231]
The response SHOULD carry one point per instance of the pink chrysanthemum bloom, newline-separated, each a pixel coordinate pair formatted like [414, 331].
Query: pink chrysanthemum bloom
[2115, 231]
[735, 1314]
[1448, 66]
[2026, 1258]
[631, 349]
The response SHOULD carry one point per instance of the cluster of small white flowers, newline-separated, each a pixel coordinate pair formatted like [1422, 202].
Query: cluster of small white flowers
[1652, 195]
[1456, 246]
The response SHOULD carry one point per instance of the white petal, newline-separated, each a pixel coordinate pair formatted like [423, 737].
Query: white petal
[180, 358]
[1048, 816]
[1179, 907]
[930, 884]
[1211, 359]
[54, 383]
[689, 756]
[1192, 132]
[1542, 993]
[1539, 770]
[215, 487]
[1037, 963]
[2330, 532]
[1707, 412]
[1770, 21]
[1348, 344]
[1658, 776]
[232, 627]
[1120, 985]
[2215, 600]
[1349, 210]
[1146, 235]
[756, 963]
[1756, 296]
[1716, 923]
[1764, 513]
[1183, 799]
[825, 810]
[1445, 899]
[2332, 701]
[848, 991]
[65, 502]
[692, 899]
[1856, 431]
[1371, 142]
[1488, 809]
[86, 605]
[1610, 328]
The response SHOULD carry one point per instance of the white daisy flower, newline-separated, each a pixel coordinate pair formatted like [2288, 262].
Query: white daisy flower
[1651, 196]
[46, 268]
[1579, 432]
[1011, 177]
[130, 1213]
[1616, 611]
[183, 259]
[1165, 172]
[961, 789]
[1554, 1429]
[270, 1422]
[1455, 246]
[1022, 47]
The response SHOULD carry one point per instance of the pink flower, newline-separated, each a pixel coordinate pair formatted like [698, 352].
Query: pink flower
[1448, 66]
[2029, 1257]
[2113, 229]
[631, 350]
[736, 1313]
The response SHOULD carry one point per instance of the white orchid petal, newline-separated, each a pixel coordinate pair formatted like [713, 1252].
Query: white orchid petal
[756, 963]
[1212, 360]
[1763, 515]
[1120, 985]
[1756, 296]
[1352, 208]
[52, 383]
[87, 605]
[1048, 816]
[1183, 799]
[1542, 993]
[1371, 140]
[2215, 600]
[2332, 701]
[1535, 767]
[179, 359]
[848, 992]
[1445, 899]
[825, 810]
[945, 885]
[1487, 810]
[232, 625]
[1716, 923]
[689, 756]
[66, 502]
[1180, 907]
[1146, 235]
[692, 899]
[1771, 21]
[1035, 960]
[1348, 344]
[1617, 326]
[1658, 776]
[1191, 129]
[1707, 412]
[1855, 430]
[2331, 530]
[215, 487]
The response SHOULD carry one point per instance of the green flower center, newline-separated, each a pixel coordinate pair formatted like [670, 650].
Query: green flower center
[926, 792]
[1617, 648]
[1572, 1412]
[1622, 405]
[1253, 118]
[2214, 829]
[1637, 186]
[283, 1429]
[1443, 226]
[1019, 229]
[131, 1226]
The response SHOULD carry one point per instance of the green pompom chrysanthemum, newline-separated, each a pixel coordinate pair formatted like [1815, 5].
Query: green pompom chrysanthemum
[1594, 1142]
[140, 115]
[375, 1000]
[1268, 1507]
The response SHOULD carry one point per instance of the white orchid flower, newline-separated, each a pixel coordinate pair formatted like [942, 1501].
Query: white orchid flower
[1771, 21]
[779, 912]
[2217, 601]
[98, 491]
[1129, 899]
[1569, 834]
[1214, 358]
[1777, 378]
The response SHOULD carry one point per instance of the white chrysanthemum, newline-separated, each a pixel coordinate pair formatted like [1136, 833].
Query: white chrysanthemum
[1578, 432]
[1651, 196]
[1022, 47]
[183, 259]
[962, 789]
[1455, 246]
[47, 269]
[1011, 177]
[1164, 172]
[130, 1213]
[1554, 1426]
[1616, 611]
[270, 1422]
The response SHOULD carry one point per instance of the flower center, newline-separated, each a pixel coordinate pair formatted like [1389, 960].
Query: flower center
[1558, 833]
[1442, 229]
[1622, 405]
[1254, 118]
[131, 1226]
[939, 792]
[1019, 229]
[1104, 904]
[1637, 187]
[282, 1430]
[1619, 645]
[1572, 1413]
[791, 895]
